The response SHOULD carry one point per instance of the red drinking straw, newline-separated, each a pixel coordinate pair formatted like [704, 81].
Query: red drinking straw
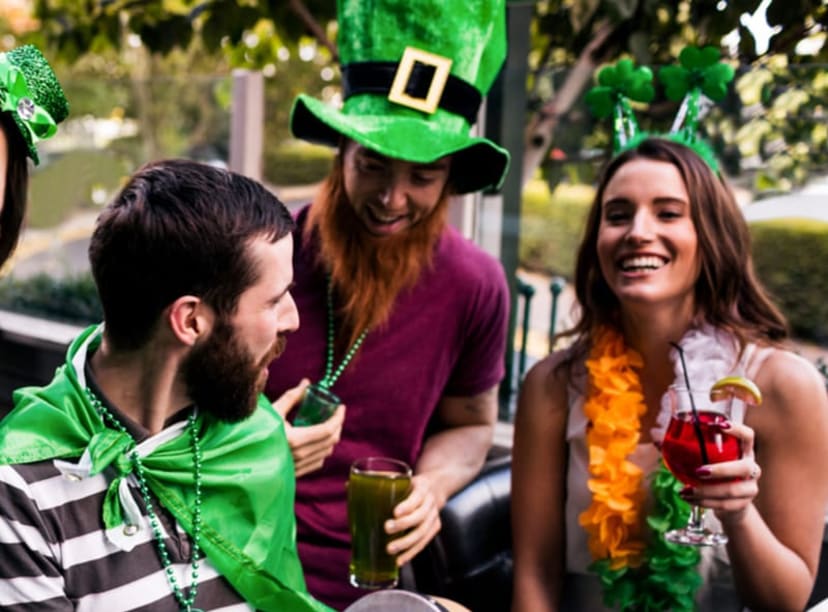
[696, 421]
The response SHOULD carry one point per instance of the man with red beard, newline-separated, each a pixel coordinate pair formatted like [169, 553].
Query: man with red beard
[402, 318]
[151, 473]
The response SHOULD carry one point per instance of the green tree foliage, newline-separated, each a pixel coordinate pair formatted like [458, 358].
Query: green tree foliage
[75, 28]
[570, 39]
[167, 64]
[752, 130]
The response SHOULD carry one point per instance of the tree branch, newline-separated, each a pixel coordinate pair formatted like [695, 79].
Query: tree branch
[298, 7]
[538, 135]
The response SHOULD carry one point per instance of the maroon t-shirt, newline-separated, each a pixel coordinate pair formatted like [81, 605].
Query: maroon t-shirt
[445, 337]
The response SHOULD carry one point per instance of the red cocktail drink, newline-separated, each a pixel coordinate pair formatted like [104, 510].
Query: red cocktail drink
[681, 447]
[694, 438]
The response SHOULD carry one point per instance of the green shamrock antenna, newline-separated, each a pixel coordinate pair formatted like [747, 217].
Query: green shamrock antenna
[616, 86]
[698, 73]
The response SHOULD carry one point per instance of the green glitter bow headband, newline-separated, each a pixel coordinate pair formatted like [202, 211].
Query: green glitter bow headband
[698, 73]
[30, 92]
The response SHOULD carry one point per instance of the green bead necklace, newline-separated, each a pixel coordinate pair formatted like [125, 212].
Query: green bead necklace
[186, 603]
[332, 375]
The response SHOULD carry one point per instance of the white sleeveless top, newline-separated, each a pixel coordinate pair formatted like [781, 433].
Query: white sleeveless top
[710, 354]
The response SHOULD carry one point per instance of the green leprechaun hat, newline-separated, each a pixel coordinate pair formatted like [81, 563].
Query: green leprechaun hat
[30, 92]
[414, 73]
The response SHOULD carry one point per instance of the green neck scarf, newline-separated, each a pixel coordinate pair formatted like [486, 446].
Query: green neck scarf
[248, 527]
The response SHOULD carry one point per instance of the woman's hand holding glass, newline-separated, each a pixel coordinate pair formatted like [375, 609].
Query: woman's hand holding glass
[728, 488]
[713, 456]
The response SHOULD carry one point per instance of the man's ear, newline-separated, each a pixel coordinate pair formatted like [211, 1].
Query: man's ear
[190, 318]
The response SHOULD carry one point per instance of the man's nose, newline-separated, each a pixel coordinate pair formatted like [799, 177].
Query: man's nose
[290, 319]
[394, 195]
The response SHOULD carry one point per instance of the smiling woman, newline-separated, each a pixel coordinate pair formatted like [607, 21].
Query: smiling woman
[665, 261]
[647, 244]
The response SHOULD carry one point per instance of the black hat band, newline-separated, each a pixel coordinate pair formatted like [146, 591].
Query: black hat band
[458, 96]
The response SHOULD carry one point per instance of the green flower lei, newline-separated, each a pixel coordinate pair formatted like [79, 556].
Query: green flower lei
[668, 578]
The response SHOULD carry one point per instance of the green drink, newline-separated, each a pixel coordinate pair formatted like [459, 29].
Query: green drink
[318, 404]
[376, 485]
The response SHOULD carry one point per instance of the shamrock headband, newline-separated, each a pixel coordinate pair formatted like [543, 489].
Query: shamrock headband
[699, 73]
[30, 92]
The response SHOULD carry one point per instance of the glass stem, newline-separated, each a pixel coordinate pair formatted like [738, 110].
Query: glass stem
[694, 523]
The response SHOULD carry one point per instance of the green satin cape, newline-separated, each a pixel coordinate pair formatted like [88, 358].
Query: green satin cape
[248, 527]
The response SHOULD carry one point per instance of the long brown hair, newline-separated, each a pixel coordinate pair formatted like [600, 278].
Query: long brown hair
[17, 181]
[367, 272]
[728, 293]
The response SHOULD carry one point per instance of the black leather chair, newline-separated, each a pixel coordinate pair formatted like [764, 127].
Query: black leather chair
[470, 560]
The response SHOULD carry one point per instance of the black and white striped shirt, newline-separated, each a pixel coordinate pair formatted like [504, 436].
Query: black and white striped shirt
[54, 553]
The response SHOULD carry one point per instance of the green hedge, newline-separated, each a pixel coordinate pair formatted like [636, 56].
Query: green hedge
[551, 225]
[790, 258]
[70, 300]
[297, 163]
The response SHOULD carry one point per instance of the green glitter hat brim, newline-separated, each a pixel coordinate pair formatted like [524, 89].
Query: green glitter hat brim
[44, 87]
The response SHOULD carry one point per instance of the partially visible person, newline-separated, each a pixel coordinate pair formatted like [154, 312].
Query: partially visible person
[666, 258]
[402, 317]
[32, 103]
[151, 474]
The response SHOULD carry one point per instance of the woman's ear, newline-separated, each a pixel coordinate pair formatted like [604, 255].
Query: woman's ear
[190, 318]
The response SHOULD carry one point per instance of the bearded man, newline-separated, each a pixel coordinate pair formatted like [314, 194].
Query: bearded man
[151, 474]
[403, 318]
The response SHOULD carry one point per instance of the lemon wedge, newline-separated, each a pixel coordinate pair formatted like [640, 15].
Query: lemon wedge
[736, 386]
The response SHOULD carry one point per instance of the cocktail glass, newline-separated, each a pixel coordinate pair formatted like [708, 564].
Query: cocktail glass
[695, 438]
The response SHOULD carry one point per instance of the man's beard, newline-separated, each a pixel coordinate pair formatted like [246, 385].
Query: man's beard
[222, 378]
[368, 272]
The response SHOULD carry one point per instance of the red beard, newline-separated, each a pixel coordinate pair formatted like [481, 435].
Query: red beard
[368, 272]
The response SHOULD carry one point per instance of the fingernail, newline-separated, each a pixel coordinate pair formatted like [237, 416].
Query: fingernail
[389, 525]
[703, 471]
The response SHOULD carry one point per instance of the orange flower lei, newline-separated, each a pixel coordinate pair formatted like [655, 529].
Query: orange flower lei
[614, 404]
[637, 572]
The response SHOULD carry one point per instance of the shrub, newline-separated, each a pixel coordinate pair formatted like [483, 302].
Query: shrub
[790, 256]
[297, 163]
[70, 300]
[551, 225]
